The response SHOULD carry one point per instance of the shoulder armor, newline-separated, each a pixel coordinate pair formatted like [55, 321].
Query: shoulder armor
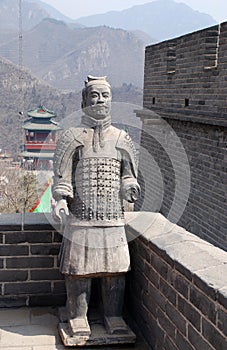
[66, 146]
[125, 143]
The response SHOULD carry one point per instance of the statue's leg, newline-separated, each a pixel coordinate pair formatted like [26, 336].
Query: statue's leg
[113, 299]
[78, 296]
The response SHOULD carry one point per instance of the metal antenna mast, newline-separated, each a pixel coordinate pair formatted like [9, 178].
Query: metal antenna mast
[21, 100]
[20, 38]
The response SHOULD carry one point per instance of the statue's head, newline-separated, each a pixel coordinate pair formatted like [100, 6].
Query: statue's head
[96, 97]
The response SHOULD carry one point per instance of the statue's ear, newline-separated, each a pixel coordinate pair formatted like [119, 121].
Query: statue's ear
[83, 103]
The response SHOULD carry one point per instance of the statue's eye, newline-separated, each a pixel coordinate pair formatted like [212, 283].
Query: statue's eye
[94, 95]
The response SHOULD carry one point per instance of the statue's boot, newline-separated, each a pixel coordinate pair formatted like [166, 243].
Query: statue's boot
[113, 299]
[78, 296]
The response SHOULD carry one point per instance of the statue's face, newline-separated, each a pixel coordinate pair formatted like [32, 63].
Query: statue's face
[98, 101]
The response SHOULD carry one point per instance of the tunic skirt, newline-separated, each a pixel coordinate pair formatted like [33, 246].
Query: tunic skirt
[94, 250]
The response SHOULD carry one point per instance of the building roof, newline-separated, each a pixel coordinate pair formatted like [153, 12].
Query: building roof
[41, 155]
[41, 120]
[41, 112]
[31, 125]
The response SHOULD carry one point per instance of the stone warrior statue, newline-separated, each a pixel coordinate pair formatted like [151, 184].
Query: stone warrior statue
[94, 170]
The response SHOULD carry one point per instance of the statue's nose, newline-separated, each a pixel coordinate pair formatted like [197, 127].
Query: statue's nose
[101, 99]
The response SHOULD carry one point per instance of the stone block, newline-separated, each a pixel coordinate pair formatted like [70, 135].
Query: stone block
[149, 327]
[13, 301]
[203, 303]
[39, 221]
[180, 283]
[47, 300]
[182, 342]
[176, 317]
[189, 312]
[152, 275]
[43, 316]
[14, 317]
[196, 340]
[47, 347]
[211, 279]
[10, 222]
[29, 262]
[14, 250]
[139, 224]
[44, 249]
[168, 327]
[144, 251]
[169, 344]
[154, 298]
[222, 320]
[57, 237]
[13, 275]
[160, 265]
[27, 288]
[28, 335]
[212, 335]
[46, 274]
[98, 337]
[59, 287]
[28, 237]
[168, 291]
[136, 288]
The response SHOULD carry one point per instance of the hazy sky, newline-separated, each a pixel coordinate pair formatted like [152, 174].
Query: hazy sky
[78, 8]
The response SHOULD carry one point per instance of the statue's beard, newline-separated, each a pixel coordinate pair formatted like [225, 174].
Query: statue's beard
[97, 111]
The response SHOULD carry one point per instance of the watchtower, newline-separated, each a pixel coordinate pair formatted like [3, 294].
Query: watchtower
[40, 139]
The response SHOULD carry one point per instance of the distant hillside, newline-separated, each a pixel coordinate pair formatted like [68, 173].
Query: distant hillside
[33, 12]
[161, 19]
[62, 56]
[51, 11]
[20, 91]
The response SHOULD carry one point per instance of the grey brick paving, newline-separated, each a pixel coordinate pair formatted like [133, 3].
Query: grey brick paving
[35, 329]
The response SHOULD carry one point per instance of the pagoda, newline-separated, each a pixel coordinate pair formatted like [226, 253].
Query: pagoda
[40, 139]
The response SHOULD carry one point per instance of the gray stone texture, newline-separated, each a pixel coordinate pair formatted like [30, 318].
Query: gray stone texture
[36, 329]
[185, 83]
[170, 284]
[29, 273]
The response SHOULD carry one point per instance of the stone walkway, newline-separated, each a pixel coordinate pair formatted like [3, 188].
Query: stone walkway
[36, 329]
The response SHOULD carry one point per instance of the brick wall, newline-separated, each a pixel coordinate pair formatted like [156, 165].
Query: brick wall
[29, 273]
[185, 84]
[196, 83]
[176, 290]
[178, 293]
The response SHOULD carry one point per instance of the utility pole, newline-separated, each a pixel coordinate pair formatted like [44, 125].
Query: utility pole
[20, 90]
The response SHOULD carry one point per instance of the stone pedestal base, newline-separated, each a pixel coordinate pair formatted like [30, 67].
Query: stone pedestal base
[98, 337]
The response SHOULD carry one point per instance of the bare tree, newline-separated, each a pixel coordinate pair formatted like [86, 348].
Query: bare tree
[18, 190]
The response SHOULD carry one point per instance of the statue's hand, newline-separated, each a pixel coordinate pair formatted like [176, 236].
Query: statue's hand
[61, 206]
[131, 193]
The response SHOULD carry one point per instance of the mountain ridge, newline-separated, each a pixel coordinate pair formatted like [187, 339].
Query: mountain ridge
[20, 91]
[62, 56]
[161, 19]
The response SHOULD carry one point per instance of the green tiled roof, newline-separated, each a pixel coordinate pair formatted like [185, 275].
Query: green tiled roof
[30, 125]
[42, 155]
[41, 112]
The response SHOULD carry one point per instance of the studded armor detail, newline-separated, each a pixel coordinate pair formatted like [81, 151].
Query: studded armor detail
[93, 183]
[97, 190]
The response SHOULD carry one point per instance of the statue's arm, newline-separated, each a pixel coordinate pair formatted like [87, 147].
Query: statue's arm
[130, 188]
[62, 188]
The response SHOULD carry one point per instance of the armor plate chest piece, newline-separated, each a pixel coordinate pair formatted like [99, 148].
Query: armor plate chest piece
[96, 185]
